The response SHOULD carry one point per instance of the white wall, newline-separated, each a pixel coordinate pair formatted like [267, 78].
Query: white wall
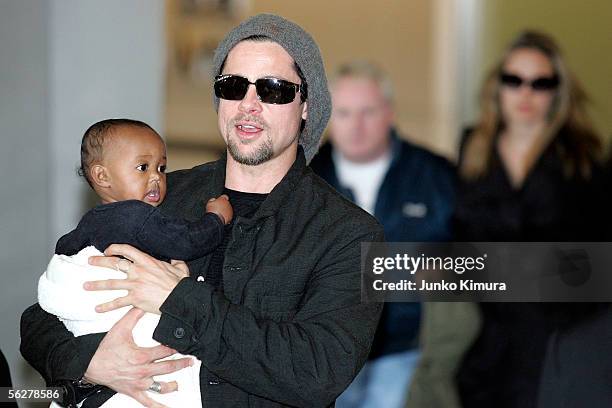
[106, 60]
[456, 31]
[64, 64]
[24, 163]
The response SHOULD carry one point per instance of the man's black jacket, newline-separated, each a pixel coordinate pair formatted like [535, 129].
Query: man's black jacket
[290, 328]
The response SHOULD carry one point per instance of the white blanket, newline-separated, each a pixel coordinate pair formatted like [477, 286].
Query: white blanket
[60, 292]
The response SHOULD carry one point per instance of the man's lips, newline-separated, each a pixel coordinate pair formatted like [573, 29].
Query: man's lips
[248, 130]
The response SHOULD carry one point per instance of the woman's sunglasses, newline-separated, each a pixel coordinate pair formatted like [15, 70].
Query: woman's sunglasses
[269, 90]
[538, 84]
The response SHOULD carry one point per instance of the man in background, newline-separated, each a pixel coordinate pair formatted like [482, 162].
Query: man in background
[408, 189]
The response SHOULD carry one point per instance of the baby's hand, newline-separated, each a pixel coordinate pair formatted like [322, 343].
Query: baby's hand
[221, 207]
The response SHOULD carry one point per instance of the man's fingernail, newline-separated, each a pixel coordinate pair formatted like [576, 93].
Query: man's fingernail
[98, 309]
[86, 285]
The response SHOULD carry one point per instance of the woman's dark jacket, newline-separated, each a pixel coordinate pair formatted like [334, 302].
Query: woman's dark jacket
[503, 367]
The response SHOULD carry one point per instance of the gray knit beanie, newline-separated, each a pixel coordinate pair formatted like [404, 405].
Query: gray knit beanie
[305, 52]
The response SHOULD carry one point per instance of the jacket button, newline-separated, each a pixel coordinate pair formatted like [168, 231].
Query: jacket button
[179, 332]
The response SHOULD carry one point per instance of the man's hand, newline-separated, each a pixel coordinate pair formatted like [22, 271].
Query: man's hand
[126, 368]
[148, 282]
[222, 207]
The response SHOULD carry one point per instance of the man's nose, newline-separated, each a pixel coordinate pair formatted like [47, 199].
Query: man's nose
[357, 122]
[250, 103]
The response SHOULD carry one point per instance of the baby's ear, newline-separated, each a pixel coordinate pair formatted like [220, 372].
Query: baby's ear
[99, 175]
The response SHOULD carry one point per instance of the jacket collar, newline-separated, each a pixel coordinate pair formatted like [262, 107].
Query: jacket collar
[323, 163]
[395, 144]
[279, 195]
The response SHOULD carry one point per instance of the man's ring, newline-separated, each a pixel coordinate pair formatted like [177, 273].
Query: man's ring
[155, 387]
[123, 265]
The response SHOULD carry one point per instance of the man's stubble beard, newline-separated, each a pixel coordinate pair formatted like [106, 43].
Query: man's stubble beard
[262, 153]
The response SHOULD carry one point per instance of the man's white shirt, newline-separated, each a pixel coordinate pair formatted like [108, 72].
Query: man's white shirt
[364, 179]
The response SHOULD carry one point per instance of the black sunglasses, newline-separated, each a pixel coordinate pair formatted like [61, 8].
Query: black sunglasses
[538, 84]
[269, 90]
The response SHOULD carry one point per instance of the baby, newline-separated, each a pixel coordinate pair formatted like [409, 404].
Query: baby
[124, 161]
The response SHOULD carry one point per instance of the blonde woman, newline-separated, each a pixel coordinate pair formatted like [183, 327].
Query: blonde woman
[528, 172]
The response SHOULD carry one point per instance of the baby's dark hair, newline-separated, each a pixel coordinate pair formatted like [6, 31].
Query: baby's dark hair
[92, 145]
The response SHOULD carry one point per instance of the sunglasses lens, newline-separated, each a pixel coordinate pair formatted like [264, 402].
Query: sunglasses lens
[511, 81]
[269, 90]
[275, 91]
[538, 84]
[232, 88]
[544, 84]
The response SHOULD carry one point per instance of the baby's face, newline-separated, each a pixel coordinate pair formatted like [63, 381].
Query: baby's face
[135, 159]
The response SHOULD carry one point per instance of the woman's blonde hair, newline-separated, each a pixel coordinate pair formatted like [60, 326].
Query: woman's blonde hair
[578, 145]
